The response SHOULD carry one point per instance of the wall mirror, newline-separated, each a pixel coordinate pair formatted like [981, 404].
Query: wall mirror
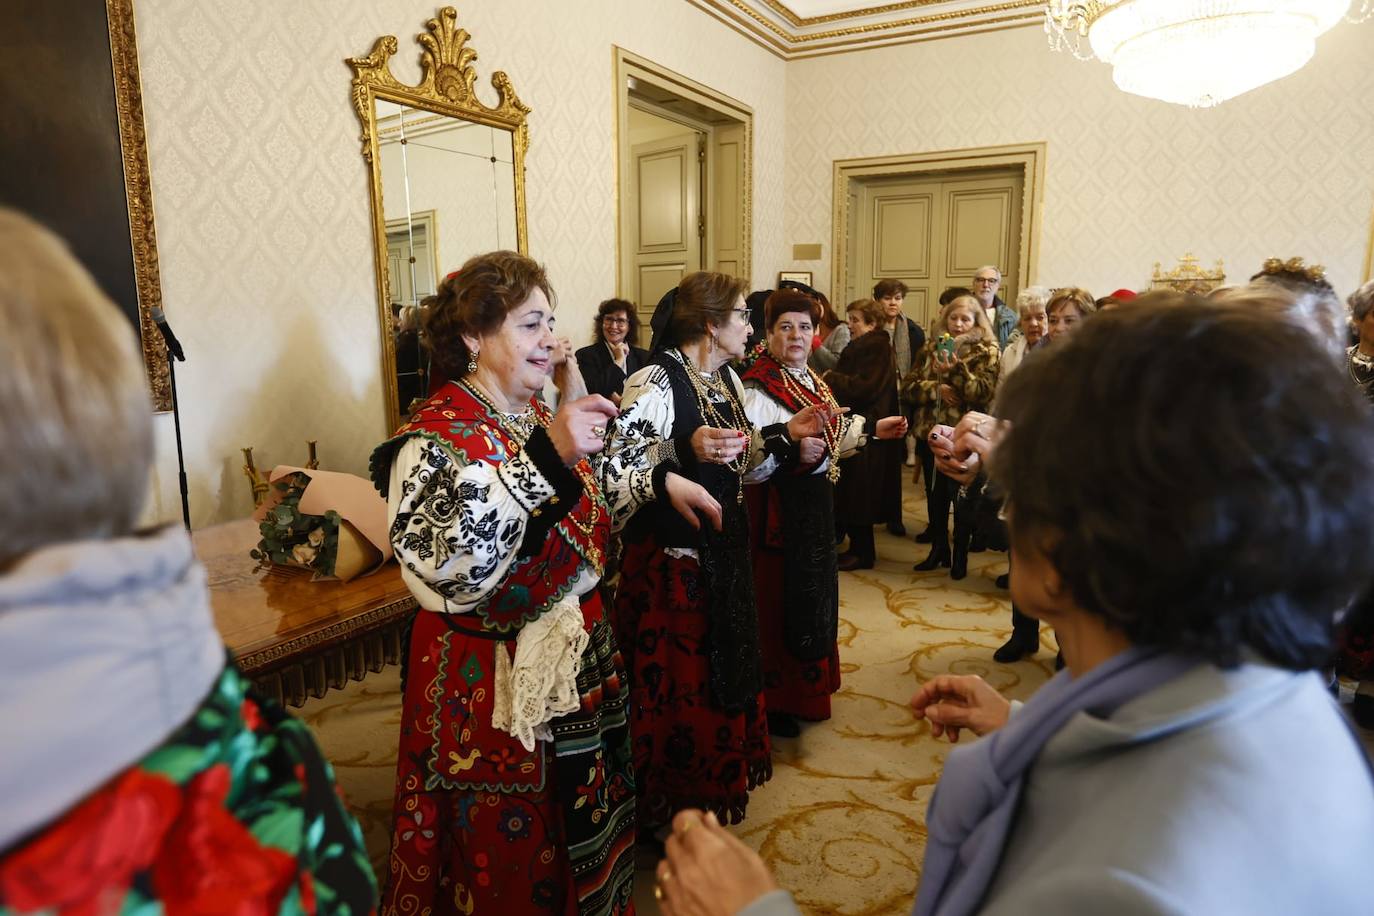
[447, 182]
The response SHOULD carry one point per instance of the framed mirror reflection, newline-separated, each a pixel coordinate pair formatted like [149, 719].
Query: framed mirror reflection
[447, 182]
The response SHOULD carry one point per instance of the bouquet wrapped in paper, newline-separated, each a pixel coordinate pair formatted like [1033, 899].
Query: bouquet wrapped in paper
[330, 523]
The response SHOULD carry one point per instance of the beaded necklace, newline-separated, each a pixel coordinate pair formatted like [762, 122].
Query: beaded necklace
[822, 396]
[703, 388]
[519, 427]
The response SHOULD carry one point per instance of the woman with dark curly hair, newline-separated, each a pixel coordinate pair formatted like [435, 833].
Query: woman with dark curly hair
[1192, 553]
[513, 726]
[616, 354]
[865, 381]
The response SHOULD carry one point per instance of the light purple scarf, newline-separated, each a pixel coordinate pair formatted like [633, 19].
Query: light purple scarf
[970, 814]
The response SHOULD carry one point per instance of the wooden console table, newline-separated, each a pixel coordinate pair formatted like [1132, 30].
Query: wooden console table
[297, 638]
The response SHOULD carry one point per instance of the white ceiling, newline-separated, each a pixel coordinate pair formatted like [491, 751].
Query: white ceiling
[809, 28]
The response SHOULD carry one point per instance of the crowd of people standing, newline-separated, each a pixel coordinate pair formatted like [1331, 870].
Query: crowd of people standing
[1178, 482]
[713, 476]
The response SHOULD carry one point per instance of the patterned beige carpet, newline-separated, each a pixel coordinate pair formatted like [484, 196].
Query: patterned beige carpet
[842, 823]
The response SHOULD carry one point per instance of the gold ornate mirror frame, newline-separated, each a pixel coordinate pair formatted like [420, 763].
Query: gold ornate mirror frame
[447, 87]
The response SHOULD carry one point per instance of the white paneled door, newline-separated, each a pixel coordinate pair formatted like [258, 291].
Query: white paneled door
[666, 227]
[934, 232]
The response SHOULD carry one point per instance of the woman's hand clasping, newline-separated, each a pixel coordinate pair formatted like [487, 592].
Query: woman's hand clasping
[890, 428]
[718, 446]
[690, 498]
[708, 870]
[810, 451]
[951, 702]
[812, 421]
[579, 427]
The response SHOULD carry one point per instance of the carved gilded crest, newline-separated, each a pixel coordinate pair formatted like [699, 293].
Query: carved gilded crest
[446, 91]
[446, 87]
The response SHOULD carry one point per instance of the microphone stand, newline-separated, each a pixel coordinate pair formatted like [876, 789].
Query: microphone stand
[181, 454]
[175, 354]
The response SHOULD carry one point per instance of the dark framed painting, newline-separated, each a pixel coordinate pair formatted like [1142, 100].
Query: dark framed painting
[75, 154]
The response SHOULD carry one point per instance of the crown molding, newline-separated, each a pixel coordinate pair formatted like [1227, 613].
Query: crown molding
[773, 25]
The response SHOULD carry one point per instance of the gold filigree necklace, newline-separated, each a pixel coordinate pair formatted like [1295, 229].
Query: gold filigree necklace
[822, 396]
[703, 388]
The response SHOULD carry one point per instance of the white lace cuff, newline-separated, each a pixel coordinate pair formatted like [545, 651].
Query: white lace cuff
[541, 684]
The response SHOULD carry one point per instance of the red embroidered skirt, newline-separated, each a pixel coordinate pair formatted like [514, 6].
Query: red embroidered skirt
[483, 826]
[790, 685]
[687, 752]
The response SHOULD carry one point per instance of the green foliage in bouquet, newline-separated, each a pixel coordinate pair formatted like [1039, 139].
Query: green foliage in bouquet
[290, 538]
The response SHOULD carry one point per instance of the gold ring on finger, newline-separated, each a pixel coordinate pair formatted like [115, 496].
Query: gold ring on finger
[658, 892]
[598, 431]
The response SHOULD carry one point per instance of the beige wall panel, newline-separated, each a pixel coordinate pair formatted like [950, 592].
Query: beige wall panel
[662, 201]
[902, 234]
[730, 268]
[654, 281]
[728, 160]
[918, 304]
[979, 230]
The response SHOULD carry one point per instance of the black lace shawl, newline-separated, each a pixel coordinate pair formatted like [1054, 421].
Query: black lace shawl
[727, 572]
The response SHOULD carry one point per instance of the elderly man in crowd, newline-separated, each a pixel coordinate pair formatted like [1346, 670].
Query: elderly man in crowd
[986, 282]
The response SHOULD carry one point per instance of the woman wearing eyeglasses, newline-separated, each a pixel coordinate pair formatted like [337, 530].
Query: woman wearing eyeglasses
[614, 357]
[684, 612]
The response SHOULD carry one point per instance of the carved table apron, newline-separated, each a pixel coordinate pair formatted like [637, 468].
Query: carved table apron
[297, 638]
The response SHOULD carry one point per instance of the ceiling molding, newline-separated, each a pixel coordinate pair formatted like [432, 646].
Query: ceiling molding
[774, 25]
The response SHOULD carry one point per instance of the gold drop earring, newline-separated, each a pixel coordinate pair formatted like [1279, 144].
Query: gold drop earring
[472, 362]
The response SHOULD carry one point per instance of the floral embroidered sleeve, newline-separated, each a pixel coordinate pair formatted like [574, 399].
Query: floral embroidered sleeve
[639, 452]
[237, 811]
[457, 526]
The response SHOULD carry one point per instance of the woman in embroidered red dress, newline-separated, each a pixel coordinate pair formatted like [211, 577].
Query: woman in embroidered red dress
[513, 785]
[792, 519]
[684, 610]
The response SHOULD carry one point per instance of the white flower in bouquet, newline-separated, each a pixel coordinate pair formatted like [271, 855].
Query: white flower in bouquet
[315, 538]
[304, 554]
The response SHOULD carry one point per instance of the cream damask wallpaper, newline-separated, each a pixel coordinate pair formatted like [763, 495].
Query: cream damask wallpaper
[1285, 170]
[261, 194]
[261, 199]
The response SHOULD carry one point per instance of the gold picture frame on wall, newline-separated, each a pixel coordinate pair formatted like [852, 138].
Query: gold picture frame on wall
[447, 89]
[76, 155]
[138, 188]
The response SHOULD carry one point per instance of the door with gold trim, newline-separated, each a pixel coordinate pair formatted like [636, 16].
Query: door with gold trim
[666, 226]
[935, 232]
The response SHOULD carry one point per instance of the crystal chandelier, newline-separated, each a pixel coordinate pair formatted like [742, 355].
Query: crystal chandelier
[1197, 53]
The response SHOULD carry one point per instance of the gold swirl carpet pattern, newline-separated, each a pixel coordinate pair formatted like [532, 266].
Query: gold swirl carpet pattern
[842, 822]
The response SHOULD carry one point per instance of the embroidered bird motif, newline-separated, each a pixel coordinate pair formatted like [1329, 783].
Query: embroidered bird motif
[459, 763]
